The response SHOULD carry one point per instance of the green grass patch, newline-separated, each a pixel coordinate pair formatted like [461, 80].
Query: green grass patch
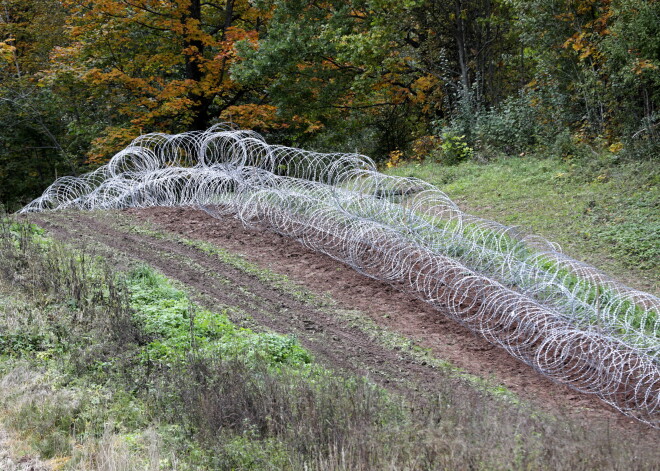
[179, 326]
[600, 212]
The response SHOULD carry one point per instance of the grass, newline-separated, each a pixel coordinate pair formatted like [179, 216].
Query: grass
[268, 277]
[600, 212]
[354, 318]
[395, 341]
[178, 326]
[77, 387]
[596, 305]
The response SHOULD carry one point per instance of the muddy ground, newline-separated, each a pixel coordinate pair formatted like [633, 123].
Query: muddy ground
[334, 341]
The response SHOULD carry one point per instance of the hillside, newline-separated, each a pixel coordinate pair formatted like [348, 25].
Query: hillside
[605, 214]
[337, 235]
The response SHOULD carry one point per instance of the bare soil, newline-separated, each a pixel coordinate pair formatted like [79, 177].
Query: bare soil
[333, 341]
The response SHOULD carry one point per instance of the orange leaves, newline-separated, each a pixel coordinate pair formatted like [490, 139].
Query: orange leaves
[577, 41]
[423, 86]
[159, 65]
[234, 34]
[424, 146]
[305, 124]
[115, 139]
[253, 116]
[641, 65]
[591, 19]
[583, 44]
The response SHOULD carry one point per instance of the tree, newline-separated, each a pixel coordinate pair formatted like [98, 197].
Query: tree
[471, 48]
[602, 57]
[33, 142]
[159, 65]
[382, 69]
[632, 61]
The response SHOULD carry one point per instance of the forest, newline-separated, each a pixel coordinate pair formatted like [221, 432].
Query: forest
[397, 80]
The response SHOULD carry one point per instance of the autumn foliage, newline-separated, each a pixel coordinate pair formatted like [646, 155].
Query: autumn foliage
[79, 79]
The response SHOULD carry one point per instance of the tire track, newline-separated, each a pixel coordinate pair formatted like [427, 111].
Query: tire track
[331, 340]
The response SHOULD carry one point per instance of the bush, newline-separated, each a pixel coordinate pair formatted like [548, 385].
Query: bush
[512, 127]
[454, 149]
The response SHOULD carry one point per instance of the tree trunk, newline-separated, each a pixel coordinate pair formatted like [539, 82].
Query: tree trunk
[194, 51]
[461, 46]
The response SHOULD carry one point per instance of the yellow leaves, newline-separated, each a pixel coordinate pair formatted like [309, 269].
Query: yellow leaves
[586, 53]
[192, 31]
[134, 54]
[422, 87]
[425, 83]
[567, 17]
[191, 51]
[582, 43]
[7, 50]
[577, 41]
[358, 14]
[602, 178]
[585, 6]
[641, 65]
[313, 127]
[616, 147]
[307, 125]
[425, 146]
[174, 89]
[395, 159]
[179, 105]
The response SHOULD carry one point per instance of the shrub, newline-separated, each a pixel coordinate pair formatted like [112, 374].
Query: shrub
[512, 127]
[454, 149]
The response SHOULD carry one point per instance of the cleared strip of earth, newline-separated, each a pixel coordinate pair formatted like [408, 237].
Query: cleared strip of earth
[344, 326]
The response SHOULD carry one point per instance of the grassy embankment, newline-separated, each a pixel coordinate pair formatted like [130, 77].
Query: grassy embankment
[109, 370]
[604, 213]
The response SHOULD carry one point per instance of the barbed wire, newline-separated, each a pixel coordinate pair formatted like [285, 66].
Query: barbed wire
[563, 317]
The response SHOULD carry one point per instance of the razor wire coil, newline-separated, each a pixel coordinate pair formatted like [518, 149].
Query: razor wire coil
[520, 292]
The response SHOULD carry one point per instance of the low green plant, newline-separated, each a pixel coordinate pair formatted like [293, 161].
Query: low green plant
[221, 397]
[514, 126]
[454, 149]
[178, 326]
